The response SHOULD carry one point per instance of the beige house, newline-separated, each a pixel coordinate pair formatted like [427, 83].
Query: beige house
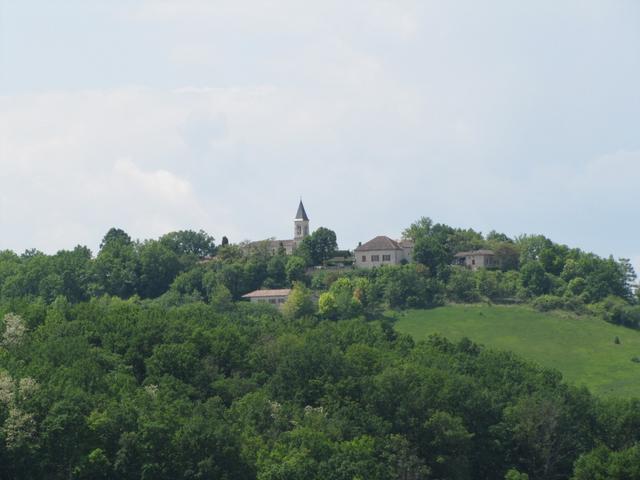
[476, 259]
[300, 231]
[275, 297]
[382, 250]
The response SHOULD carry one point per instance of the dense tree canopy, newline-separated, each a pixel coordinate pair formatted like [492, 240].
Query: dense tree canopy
[130, 389]
[141, 363]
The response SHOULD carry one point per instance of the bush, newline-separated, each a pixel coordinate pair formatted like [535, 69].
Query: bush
[617, 311]
[546, 303]
[461, 286]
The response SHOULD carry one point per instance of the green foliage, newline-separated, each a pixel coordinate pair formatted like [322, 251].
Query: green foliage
[295, 269]
[159, 266]
[409, 286]
[461, 286]
[318, 247]
[514, 474]
[187, 243]
[616, 310]
[139, 364]
[603, 464]
[114, 388]
[299, 304]
[547, 303]
[350, 298]
[581, 347]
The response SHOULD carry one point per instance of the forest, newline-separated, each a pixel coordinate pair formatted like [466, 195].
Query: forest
[141, 362]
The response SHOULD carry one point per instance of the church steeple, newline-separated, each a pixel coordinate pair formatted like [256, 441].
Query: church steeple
[300, 223]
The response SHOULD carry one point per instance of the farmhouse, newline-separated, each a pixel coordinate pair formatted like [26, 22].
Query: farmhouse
[476, 259]
[383, 250]
[275, 297]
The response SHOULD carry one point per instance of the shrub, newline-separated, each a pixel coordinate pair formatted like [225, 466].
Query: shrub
[545, 303]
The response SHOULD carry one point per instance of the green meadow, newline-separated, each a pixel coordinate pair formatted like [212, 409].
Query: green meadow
[582, 348]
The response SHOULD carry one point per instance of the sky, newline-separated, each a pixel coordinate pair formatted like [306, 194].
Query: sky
[160, 115]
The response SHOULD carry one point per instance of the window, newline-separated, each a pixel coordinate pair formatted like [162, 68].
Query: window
[364, 258]
[386, 258]
[272, 300]
[299, 230]
[281, 300]
[375, 258]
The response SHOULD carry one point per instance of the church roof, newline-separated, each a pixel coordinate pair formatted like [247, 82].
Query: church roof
[301, 214]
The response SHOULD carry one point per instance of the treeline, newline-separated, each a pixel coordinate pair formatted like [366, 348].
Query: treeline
[189, 266]
[122, 267]
[532, 269]
[115, 389]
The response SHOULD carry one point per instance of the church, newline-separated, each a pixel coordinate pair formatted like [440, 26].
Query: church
[300, 231]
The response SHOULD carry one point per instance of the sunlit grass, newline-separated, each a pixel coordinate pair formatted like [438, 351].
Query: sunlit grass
[582, 348]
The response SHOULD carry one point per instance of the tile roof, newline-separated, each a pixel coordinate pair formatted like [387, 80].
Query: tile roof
[379, 243]
[280, 292]
[474, 252]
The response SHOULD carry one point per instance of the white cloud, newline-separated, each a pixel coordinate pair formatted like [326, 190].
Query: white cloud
[377, 112]
[396, 18]
[75, 164]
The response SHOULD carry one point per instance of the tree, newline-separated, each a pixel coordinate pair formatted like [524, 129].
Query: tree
[327, 306]
[431, 253]
[115, 235]
[534, 278]
[115, 269]
[461, 285]
[514, 474]
[318, 247]
[159, 266]
[418, 229]
[603, 464]
[507, 256]
[190, 243]
[447, 441]
[494, 237]
[299, 304]
[276, 271]
[14, 330]
[295, 269]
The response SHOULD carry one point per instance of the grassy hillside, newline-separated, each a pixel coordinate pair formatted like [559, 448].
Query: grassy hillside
[583, 349]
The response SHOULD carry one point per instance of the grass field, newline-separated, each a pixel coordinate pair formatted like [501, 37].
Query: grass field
[583, 349]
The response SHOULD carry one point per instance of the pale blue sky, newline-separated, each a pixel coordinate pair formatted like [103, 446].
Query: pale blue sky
[522, 117]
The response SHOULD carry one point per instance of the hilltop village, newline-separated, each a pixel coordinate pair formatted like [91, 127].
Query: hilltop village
[142, 361]
[379, 251]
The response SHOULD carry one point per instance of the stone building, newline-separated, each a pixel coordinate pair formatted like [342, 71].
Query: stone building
[476, 259]
[300, 231]
[383, 250]
[276, 297]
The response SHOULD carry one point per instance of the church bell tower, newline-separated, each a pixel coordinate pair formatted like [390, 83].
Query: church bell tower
[300, 224]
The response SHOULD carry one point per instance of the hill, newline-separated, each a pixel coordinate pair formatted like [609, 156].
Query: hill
[582, 348]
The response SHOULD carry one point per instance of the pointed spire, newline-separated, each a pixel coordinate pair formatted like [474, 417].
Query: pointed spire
[301, 214]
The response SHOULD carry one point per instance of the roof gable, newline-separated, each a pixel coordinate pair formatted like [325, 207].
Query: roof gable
[280, 292]
[379, 243]
[474, 252]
